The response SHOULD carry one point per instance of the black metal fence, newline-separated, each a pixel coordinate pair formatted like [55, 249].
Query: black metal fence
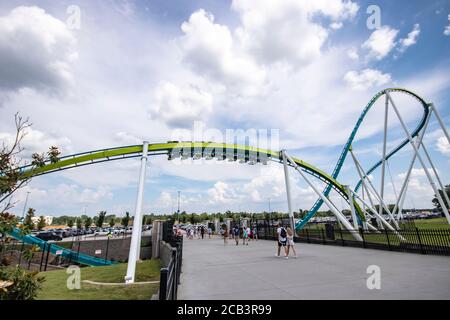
[424, 241]
[170, 275]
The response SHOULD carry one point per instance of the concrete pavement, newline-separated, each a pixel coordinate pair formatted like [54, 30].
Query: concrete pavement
[214, 271]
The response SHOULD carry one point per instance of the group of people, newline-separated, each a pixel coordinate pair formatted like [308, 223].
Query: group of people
[246, 233]
[198, 232]
[285, 240]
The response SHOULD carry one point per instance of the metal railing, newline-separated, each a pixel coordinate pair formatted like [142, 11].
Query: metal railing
[414, 240]
[170, 275]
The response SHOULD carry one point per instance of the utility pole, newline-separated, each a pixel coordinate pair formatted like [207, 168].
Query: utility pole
[25, 205]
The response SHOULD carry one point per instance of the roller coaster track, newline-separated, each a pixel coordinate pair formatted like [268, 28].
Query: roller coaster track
[222, 151]
[348, 144]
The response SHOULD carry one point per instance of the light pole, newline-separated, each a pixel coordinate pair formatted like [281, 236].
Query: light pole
[178, 211]
[25, 205]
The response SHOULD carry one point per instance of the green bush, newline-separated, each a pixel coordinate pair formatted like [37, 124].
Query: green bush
[25, 285]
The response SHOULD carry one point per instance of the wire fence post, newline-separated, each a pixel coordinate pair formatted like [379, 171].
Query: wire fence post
[420, 241]
[106, 254]
[46, 259]
[361, 232]
[20, 254]
[163, 284]
[42, 255]
[387, 238]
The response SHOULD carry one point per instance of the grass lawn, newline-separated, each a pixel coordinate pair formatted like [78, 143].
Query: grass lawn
[435, 223]
[55, 287]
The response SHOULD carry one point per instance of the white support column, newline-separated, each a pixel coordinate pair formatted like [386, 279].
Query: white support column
[288, 190]
[382, 204]
[383, 160]
[441, 185]
[401, 198]
[411, 141]
[352, 207]
[377, 195]
[441, 123]
[381, 218]
[336, 212]
[137, 224]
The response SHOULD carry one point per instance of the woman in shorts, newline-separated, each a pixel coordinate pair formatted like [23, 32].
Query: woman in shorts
[290, 242]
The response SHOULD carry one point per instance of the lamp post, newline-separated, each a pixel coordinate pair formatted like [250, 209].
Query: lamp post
[25, 205]
[178, 211]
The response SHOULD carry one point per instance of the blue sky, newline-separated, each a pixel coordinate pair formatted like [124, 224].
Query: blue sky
[137, 70]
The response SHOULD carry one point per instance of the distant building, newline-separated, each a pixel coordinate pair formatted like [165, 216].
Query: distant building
[48, 220]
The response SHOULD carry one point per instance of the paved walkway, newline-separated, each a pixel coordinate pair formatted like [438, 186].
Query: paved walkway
[214, 271]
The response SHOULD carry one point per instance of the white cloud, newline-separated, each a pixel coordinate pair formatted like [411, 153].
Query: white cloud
[336, 25]
[180, 106]
[367, 78]
[381, 42]
[210, 50]
[353, 54]
[410, 39]
[443, 146]
[447, 28]
[222, 193]
[284, 31]
[38, 141]
[36, 50]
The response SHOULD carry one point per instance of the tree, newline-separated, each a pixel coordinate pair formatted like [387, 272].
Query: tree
[17, 284]
[41, 223]
[112, 222]
[88, 222]
[12, 179]
[28, 223]
[126, 220]
[441, 193]
[70, 223]
[53, 154]
[148, 220]
[79, 223]
[100, 219]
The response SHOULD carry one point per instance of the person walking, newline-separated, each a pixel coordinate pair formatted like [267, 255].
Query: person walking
[281, 240]
[236, 234]
[202, 231]
[225, 236]
[255, 233]
[244, 236]
[290, 242]
[209, 232]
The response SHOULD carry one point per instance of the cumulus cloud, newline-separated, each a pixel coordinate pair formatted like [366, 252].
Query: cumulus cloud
[222, 193]
[209, 48]
[447, 28]
[410, 39]
[36, 50]
[353, 53]
[38, 141]
[180, 106]
[285, 31]
[381, 42]
[443, 146]
[367, 78]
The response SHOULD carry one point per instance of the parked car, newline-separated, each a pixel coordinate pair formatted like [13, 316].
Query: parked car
[49, 235]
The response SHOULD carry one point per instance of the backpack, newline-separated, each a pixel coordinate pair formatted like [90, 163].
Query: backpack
[283, 233]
